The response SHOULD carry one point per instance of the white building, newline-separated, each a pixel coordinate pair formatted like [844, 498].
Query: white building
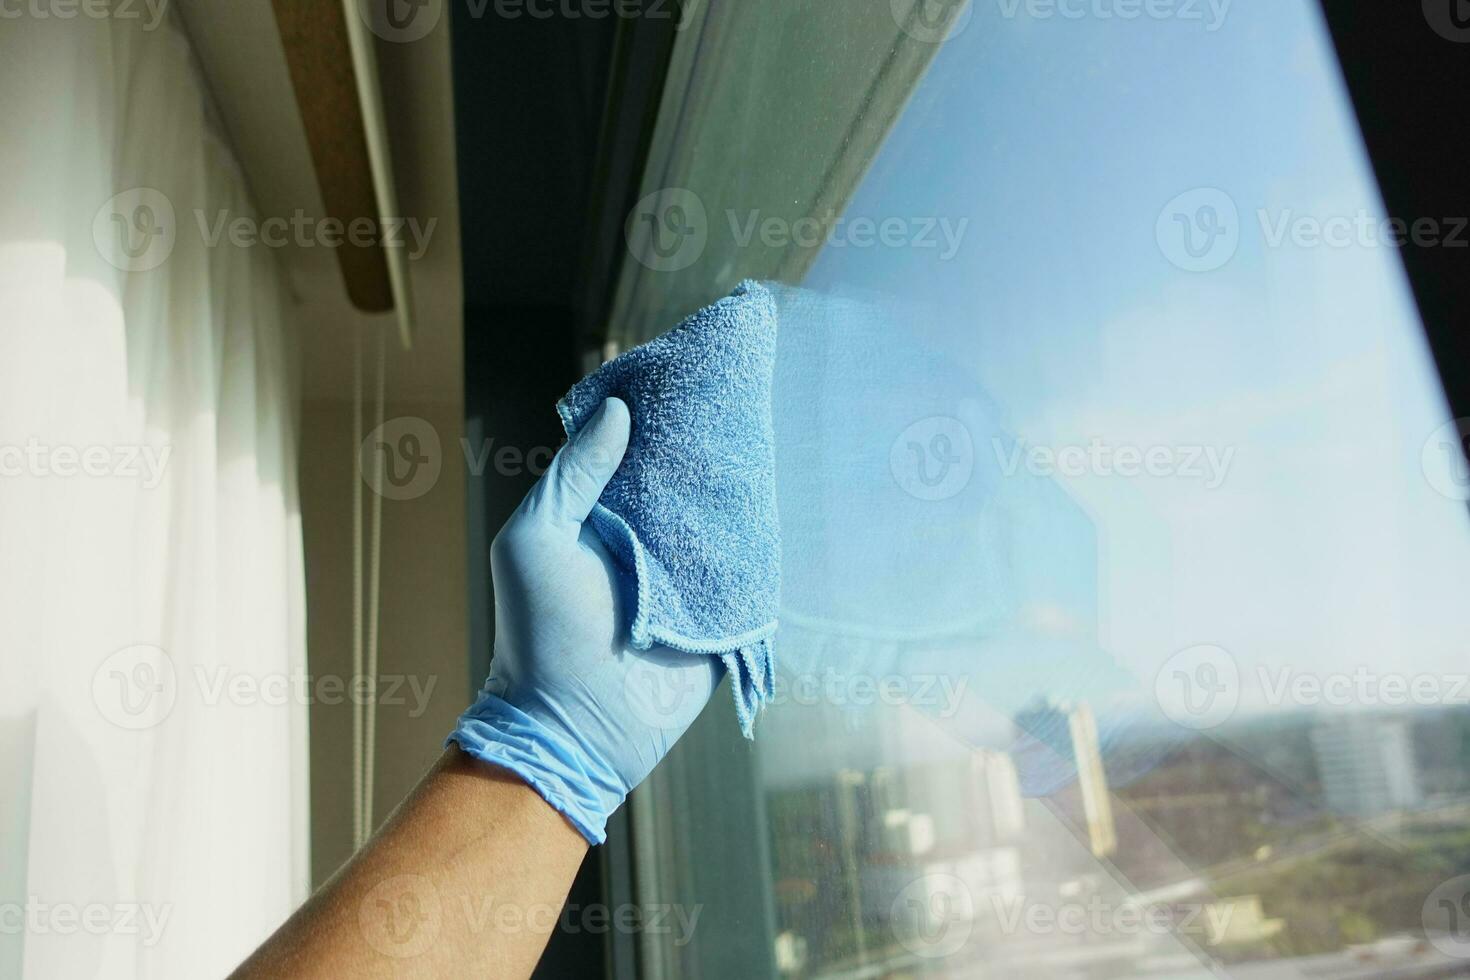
[1366, 765]
[1069, 730]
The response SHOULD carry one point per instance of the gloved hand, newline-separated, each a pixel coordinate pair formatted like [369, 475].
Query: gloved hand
[569, 706]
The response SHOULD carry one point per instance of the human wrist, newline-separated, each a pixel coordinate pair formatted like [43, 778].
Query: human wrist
[473, 787]
[535, 746]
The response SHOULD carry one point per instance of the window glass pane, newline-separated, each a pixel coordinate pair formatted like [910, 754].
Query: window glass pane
[1122, 530]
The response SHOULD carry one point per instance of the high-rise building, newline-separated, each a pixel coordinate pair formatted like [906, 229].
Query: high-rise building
[1366, 765]
[1065, 735]
[995, 802]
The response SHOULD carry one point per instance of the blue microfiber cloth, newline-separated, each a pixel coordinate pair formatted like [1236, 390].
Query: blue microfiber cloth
[691, 512]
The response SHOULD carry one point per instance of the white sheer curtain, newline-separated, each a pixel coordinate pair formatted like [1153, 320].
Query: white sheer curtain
[153, 794]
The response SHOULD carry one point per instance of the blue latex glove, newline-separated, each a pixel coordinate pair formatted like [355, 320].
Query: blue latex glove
[569, 706]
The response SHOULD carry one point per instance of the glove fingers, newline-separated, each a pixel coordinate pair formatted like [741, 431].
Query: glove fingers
[581, 470]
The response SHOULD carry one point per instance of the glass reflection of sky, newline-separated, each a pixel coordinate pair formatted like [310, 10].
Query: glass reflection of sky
[1061, 321]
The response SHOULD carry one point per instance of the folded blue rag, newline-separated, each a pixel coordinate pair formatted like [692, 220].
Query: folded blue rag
[691, 512]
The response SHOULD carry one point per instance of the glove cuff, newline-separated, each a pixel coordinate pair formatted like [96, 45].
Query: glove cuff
[560, 771]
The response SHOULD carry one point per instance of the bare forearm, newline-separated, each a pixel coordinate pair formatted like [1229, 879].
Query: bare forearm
[466, 878]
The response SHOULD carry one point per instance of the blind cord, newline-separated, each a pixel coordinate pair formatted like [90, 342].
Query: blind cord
[370, 751]
[365, 656]
[357, 479]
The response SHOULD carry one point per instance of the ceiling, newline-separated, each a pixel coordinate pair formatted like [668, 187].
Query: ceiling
[243, 61]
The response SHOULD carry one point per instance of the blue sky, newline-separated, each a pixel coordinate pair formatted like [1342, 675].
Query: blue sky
[1061, 141]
